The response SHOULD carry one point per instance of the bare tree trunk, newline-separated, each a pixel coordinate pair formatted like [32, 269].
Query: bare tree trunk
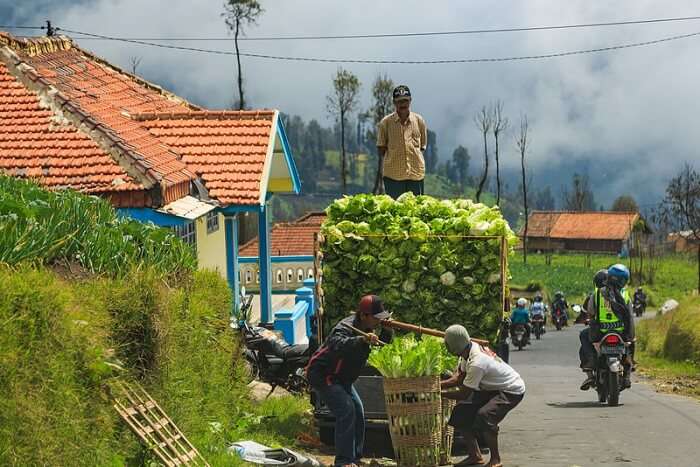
[485, 175]
[522, 147]
[343, 170]
[498, 176]
[699, 268]
[241, 99]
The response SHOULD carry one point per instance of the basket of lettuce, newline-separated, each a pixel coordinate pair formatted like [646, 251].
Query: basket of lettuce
[411, 370]
[434, 262]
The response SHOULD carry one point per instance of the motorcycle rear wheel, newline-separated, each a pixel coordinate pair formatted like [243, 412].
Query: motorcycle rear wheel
[613, 389]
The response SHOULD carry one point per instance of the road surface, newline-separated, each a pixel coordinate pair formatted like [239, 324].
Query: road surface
[559, 425]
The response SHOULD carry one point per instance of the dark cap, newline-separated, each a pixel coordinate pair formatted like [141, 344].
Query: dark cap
[373, 304]
[402, 92]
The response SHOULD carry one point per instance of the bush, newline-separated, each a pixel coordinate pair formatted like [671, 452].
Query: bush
[42, 227]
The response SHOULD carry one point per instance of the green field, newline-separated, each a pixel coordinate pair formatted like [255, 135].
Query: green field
[675, 277]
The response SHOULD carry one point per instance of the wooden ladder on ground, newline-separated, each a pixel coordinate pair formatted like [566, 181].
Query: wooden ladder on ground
[150, 422]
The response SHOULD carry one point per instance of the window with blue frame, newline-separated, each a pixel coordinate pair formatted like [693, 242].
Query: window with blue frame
[212, 222]
[187, 233]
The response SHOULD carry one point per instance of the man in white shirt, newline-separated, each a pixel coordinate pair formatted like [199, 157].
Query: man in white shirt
[487, 389]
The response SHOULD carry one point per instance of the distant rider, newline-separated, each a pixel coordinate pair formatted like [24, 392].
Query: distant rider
[640, 297]
[560, 304]
[538, 308]
[609, 310]
[521, 315]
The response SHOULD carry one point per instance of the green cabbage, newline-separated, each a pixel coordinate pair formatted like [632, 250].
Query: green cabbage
[412, 252]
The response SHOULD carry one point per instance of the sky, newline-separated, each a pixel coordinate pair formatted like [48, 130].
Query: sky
[627, 117]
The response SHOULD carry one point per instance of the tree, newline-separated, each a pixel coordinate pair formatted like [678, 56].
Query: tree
[500, 124]
[625, 203]
[521, 142]
[382, 93]
[483, 122]
[431, 153]
[681, 205]
[341, 103]
[237, 14]
[134, 63]
[545, 200]
[580, 197]
[460, 163]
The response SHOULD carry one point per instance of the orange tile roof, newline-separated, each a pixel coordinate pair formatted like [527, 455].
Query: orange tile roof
[581, 225]
[227, 149]
[289, 238]
[70, 119]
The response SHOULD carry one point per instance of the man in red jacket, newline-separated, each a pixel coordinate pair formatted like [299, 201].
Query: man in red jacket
[336, 366]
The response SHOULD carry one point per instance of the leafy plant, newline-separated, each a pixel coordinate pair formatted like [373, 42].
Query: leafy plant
[406, 357]
[433, 262]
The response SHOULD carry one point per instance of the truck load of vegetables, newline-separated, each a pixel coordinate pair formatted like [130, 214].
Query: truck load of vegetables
[433, 262]
[406, 357]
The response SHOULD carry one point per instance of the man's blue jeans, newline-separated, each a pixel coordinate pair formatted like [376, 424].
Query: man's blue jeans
[346, 406]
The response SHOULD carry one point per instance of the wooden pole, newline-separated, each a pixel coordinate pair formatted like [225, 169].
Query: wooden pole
[421, 330]
[361, 332]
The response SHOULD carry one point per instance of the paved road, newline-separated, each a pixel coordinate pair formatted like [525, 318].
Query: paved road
[559, 425]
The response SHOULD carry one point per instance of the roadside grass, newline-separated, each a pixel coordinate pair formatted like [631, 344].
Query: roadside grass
[62, 343]
[569, 273]
[669, 348]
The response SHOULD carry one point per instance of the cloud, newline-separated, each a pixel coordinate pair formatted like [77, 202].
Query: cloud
[628, 113]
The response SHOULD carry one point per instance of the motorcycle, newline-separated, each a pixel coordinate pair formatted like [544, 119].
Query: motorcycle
[581, 315]
[519, 336]
[639, 307]
[270, 358]
[609, 373]
[559, 318]
[538, 326]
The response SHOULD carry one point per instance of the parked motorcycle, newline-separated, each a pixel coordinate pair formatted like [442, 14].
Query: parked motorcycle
[613, 353]
[519, 336]
[538, 326]
[270, 358]
[639, 307]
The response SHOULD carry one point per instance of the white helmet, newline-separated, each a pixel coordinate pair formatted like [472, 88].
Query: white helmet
[577, 308]
[521, 302]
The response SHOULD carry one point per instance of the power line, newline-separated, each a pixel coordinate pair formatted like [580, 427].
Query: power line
[22, 27]
[390, 62]
[417, 34]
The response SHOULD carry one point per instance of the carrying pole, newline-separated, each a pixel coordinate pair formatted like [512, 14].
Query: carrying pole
[390, 323]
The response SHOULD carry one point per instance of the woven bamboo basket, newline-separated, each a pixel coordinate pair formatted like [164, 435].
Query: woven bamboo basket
[413, 407]
[448, 432]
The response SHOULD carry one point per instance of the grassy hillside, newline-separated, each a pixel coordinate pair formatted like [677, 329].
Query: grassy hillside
[62, 342]
[569, 273]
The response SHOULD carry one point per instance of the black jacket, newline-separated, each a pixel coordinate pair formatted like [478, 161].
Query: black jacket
[341, 357]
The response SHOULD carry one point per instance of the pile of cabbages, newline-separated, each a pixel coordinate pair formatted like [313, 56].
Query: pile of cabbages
[416, 254]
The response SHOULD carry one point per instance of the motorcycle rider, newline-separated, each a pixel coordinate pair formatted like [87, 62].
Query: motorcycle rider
[334, 368]
[538, 308]
[560, 303]
[521, 315]
[640, 297]
[609, 310]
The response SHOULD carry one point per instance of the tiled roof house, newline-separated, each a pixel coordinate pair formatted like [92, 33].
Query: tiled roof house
[69, 119]
[580, 231]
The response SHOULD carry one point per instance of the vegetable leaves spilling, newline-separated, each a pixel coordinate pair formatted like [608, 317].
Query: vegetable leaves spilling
[406, 357]
[433, 262]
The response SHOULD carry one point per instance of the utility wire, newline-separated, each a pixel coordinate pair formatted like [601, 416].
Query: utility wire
[393, 62]
[417, 34]
[22, 27]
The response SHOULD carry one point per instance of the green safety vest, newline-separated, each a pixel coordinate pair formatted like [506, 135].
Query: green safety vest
[607, 319]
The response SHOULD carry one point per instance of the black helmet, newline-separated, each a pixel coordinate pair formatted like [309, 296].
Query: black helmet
[559, 294]
[639, 289]
[538, 297]
[600, 278]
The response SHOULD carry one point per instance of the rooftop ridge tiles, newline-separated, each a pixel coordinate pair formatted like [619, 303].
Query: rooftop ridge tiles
[262, 114]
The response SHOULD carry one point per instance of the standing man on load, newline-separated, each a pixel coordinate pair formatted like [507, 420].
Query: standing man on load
[334, 368]
[487, 389]
[401, 139]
